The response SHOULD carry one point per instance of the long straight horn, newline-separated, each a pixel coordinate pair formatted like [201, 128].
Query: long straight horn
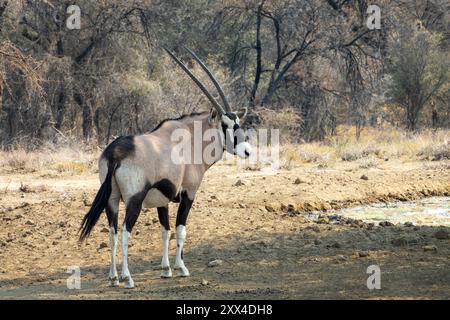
[198, 82]
[213, 79]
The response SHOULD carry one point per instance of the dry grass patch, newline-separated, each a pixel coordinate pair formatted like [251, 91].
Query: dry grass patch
[62, 160]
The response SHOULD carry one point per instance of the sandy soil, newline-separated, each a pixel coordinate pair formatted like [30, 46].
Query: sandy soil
[269, 249]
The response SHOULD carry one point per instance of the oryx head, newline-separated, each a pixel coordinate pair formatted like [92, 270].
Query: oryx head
[230, 121]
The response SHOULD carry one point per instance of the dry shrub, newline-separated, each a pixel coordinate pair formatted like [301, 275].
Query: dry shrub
[435, 152]
[289, 157]
[367, 163]
[286, 120]
[357, 151]
[295, 155]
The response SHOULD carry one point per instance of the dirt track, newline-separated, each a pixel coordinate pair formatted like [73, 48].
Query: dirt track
[269, 249]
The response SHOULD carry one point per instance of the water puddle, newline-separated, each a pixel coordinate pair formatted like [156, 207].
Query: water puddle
[434, 211]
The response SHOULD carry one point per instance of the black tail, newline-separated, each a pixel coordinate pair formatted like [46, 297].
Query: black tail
[99, 204]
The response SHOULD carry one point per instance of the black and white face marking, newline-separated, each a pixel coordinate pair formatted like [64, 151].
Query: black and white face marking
[234, 136]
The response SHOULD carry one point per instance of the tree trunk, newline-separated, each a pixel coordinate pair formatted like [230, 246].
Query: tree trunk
[258, 58]
[60, 107]
[86, 114]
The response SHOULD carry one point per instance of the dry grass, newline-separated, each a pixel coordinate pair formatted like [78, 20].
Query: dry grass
[48, 160]
[374, 147]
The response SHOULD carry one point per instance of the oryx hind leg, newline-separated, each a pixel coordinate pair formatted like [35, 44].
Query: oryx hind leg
[163, 215]
[112, 211]
[183, 211]
[133, 209]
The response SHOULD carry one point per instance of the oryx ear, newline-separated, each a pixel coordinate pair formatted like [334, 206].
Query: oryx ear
[212, 115]
[242, 113]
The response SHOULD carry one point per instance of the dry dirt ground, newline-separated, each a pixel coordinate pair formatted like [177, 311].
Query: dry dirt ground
[258, 228]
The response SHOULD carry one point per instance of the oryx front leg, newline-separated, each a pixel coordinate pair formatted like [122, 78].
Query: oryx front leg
[183, 211]
[163, 215]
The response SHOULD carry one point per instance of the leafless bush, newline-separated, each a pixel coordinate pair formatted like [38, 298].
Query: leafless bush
[435, 152]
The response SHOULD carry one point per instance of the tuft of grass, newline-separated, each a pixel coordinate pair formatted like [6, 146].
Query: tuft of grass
[71, 167]
[367, 163]
[289, 157]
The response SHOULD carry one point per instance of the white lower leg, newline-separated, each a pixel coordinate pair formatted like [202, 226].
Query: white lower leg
[179, 264]
[165, 264]
[126, 276]
[113, 278]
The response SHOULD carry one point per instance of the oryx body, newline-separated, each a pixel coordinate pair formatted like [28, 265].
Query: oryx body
[146, 171]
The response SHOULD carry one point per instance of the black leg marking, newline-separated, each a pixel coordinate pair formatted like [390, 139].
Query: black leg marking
[183, 209]
[167, 188]
[163, 215]
[112, 217]
[134, 207]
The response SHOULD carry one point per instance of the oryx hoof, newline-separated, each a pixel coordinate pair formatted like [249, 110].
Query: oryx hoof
[182, 272]
[129, 283]
[166, 272]
[113, 282]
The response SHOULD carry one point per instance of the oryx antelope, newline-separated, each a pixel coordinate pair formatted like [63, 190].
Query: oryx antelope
[140, 170]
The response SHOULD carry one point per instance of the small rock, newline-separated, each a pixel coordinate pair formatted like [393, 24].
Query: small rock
[105, 230]
[155, 220]
[215, 263]
[442, 234]
[364, 177]
[408, 224]
[241, 205]
[213, 197]
[432, 248]
[54, 243]
[102, 245]
[87, 203]
[298, 181]
[239, 183]
[363, 254]
[204, 282]
[385, 224]
[137, 232]
[270, 208]
[29, 222]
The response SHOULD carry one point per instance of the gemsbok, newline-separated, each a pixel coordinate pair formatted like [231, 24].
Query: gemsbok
[149, 171]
